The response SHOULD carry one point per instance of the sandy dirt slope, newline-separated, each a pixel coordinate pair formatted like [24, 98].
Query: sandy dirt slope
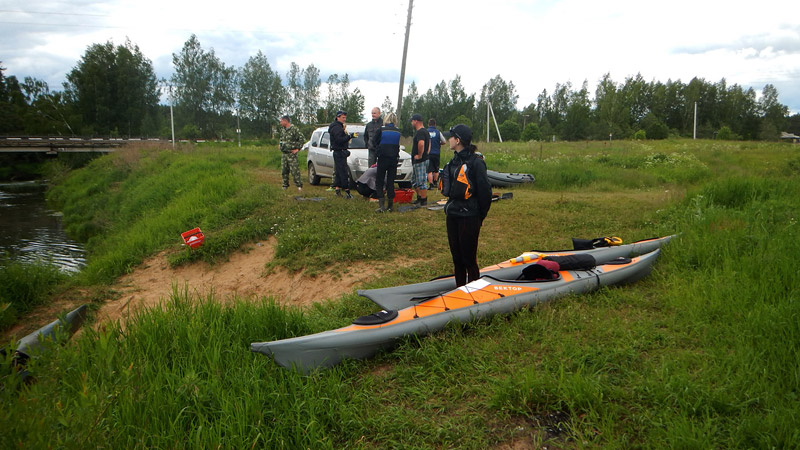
[243, 276]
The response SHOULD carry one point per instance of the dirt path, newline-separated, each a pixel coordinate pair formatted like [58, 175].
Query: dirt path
[243, 276]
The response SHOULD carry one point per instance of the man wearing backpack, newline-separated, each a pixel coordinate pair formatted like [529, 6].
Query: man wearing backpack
[437, 139]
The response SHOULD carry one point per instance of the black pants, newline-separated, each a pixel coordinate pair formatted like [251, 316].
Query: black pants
[462, 234]
[387, 172]
[364, 190]
[341, 178]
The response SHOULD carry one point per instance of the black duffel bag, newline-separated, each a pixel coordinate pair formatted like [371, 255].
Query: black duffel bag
[574, 262]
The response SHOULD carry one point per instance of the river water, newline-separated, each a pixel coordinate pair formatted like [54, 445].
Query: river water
[30, 232]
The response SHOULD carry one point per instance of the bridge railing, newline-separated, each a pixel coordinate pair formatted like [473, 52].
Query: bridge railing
[55, 144]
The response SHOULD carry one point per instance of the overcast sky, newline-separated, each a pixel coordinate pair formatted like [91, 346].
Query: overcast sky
[534, 44]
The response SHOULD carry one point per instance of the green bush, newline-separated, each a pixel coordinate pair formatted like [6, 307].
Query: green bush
[510, 130]
[531, 133]
[463, 120]
[726, 134]
[189, 131]
[657, 130]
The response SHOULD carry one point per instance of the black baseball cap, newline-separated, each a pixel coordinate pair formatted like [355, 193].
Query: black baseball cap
[341, 113]
[460, 131]
[417, 117]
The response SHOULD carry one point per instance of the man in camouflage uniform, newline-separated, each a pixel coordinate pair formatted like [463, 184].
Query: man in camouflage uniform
[292, 141]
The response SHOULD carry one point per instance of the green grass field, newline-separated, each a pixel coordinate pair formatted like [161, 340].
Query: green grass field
[701, 354]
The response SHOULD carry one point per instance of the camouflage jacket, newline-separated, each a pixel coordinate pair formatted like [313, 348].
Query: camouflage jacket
[291, 138]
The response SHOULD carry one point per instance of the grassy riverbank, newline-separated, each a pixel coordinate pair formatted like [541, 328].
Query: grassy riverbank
[701, 354]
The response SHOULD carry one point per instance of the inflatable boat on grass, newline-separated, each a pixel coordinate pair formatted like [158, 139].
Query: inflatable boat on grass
[502, 179]
[493, 293]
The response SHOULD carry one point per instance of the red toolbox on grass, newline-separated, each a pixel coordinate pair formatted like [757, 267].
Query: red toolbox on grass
[403, 195]
[193, 238]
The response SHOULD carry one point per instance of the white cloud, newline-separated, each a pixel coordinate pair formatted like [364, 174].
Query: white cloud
[534, 44]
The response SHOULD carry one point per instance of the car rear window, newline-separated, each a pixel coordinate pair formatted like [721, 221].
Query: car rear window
[358, 142]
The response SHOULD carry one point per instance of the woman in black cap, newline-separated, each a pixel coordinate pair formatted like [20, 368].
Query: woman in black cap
[469, 196]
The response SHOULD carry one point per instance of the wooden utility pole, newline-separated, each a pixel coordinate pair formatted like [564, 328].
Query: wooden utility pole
[172, 116]
[405, 52]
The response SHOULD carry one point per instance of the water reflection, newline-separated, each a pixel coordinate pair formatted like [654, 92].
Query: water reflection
[30, 232]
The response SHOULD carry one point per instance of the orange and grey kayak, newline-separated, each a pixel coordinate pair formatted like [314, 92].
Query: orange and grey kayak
[398, 297]
[486, 296]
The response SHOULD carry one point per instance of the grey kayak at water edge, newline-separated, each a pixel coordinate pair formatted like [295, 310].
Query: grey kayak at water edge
[72, 321]
[398, 297]
[37, 343]
[483, 297]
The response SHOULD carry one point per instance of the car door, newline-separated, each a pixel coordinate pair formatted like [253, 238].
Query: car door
[326, 159]
[315, 153]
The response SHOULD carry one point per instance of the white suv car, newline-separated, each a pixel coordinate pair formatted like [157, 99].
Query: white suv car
[320, 158]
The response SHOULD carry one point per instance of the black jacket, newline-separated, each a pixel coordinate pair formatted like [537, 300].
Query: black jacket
[339, 139]
[480, 201]
[372, 135]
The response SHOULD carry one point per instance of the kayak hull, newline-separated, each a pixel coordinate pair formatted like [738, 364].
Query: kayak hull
[481, 298]
[72, 321]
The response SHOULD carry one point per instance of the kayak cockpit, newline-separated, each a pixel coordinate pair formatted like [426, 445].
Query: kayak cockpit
[377, 318]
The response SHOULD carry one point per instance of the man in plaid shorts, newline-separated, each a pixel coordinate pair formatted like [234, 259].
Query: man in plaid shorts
[419, 159]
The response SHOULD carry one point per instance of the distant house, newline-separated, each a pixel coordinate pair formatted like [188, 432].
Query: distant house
[789, 137]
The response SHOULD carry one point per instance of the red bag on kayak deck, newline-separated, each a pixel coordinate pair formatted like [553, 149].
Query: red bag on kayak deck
[554, 266]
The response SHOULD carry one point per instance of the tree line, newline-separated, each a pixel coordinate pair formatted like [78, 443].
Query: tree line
[114, 91]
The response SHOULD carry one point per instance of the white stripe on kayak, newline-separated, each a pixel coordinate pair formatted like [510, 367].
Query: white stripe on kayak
[474, 286]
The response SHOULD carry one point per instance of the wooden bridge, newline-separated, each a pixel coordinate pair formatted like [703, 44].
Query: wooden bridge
[55, 145]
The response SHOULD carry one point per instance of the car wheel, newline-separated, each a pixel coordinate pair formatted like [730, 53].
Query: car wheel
[404, 184]
[313, 178]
